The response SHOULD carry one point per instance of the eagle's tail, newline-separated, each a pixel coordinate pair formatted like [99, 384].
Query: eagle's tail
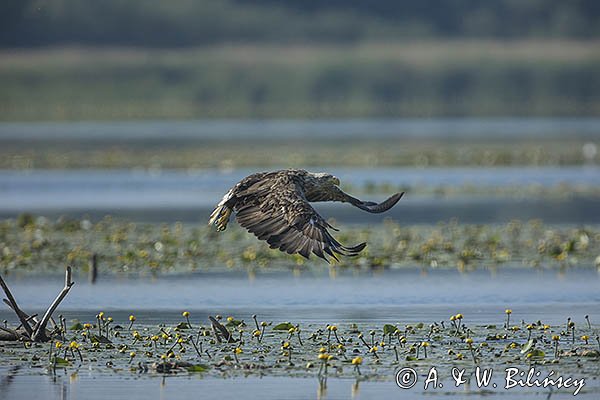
[220, 215]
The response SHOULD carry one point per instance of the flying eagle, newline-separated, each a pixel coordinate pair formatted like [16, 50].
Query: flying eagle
[275, 207]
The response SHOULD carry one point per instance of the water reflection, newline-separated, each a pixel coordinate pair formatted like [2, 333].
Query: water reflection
[7, 378]
[93, 385]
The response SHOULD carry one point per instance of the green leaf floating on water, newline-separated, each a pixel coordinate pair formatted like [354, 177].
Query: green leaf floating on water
[99, 339]
[233, 323]
[591, 353]
[77, 326]
[536, 354]
[60, 361]
[411, 358]
[389, 329]
[183, 325]
[284, 326]
[198, 368]
[527, 346]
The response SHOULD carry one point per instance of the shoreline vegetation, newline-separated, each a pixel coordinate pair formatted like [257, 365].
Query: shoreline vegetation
[227, 154]
[408, 78]
[32, 245]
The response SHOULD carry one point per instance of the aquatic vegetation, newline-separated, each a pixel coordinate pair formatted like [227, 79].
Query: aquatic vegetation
[131, 321]
[35, 244]
[357, 361]
[338, 350]
[219, 152]
[508, 311]
[555, 339]
[186, 315]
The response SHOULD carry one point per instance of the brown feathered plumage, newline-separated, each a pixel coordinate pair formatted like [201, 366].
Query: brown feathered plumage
[275, 207]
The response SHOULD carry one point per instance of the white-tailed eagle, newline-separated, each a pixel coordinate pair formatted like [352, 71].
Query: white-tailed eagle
[275, 207]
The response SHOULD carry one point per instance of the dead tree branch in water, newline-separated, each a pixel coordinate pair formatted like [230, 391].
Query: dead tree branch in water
[13, 304]
[37, 333]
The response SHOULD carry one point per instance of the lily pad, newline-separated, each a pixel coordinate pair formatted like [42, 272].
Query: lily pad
[389, 329]
[99, 339]
[536, 354]
[77, 326]
[284, 326]
[527, 346]
[591, 353]
[183, 325]
[60, 361]
[198, 368]
[234, 323]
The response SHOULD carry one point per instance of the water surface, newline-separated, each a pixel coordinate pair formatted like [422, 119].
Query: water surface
[318, 297]
[324, 296]
[89, 385]
[422, 128]
[189, 196]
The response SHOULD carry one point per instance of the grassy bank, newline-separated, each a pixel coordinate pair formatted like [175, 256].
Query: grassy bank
[461, 77]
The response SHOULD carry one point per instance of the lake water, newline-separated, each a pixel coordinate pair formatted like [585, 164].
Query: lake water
[319, 297]
[421, 128]
[88, 385]
[324, 295]
[166, 196]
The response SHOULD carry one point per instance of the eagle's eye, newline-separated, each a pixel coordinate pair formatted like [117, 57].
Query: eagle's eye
[335, 180]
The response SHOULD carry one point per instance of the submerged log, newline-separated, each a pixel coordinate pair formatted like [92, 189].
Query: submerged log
[9, 335]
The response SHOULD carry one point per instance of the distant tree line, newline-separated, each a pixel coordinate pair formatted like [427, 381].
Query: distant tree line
[162, 23]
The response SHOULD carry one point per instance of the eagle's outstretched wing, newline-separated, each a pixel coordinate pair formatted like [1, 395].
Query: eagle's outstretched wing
[280, 214]
[337, 194]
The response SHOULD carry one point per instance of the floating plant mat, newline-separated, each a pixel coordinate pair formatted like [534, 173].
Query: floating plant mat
[36, 244]
[362, 352]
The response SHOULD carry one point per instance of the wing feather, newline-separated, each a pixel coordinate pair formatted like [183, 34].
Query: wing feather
[275, 210]
[337, 194]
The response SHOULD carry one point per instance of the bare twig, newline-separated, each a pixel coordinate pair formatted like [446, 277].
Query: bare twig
[26, 316]
[216, 332]
[40, 332]
[219, 329]
[15, 307]
[30, 318]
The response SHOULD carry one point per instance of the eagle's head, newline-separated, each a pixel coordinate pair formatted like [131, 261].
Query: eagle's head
[325, 179]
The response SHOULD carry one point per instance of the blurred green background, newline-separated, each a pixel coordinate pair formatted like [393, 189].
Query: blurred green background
[89, 60]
